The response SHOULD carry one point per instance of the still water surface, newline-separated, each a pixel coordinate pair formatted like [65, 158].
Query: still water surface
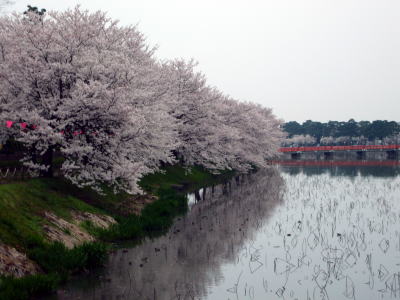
[286, 233]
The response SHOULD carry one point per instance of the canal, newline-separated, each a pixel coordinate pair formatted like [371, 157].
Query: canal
[289, 232]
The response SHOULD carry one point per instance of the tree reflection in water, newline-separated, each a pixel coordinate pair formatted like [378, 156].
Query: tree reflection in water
[308, 235]
[185, 262]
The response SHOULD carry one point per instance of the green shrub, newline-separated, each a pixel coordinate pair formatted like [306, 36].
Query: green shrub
[159, 215]
[95, 254]
[59, 259]
[23, 288]
[126, 228]
[155, 218]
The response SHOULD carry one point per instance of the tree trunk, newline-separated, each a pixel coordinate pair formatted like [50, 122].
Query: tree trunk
[225, 189]
[237, 178]
[48, 161]
[197, 196]
[34, 156]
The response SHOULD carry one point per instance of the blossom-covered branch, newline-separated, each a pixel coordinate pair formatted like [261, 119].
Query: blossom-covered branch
[79, 72]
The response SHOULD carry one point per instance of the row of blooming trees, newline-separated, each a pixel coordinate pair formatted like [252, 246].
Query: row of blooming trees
[75, 71]
[299, 140]
[308, 140]
[375, 130]
[360, 140]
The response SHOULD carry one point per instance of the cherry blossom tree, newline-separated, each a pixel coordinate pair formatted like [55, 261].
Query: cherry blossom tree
[216, 131]
[344, 140]
[91, 91]
[190, 101]
[392, 140]
[250, 135]
[89, 88]
[327, 140]
[303, 140]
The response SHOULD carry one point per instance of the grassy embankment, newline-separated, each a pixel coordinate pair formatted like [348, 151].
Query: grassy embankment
[22, 207]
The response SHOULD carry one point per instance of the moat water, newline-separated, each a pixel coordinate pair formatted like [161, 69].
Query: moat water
[289, 232]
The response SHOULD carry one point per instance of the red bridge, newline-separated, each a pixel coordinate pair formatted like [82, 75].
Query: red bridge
[392, 150]
[341, 148]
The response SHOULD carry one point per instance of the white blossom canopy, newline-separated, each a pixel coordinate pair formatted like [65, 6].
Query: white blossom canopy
[92, 91]
[88, 85]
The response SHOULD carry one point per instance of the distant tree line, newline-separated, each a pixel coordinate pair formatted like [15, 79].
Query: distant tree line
[342, 133]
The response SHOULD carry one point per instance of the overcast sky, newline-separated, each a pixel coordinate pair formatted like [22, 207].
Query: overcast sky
[307, 59]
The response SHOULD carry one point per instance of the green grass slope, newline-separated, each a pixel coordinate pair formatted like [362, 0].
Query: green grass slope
[23, 204]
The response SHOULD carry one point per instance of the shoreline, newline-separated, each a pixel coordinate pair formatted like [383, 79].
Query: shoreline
[57, 262]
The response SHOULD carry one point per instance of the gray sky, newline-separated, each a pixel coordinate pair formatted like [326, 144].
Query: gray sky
[307, 59]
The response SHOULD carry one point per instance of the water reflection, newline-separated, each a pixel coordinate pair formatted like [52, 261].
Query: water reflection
[222, 223]
[343, 170]
[304, 233]
[336, 237]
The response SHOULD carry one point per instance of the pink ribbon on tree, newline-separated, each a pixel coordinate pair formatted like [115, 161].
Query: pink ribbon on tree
[9, 124]
[23, 125]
